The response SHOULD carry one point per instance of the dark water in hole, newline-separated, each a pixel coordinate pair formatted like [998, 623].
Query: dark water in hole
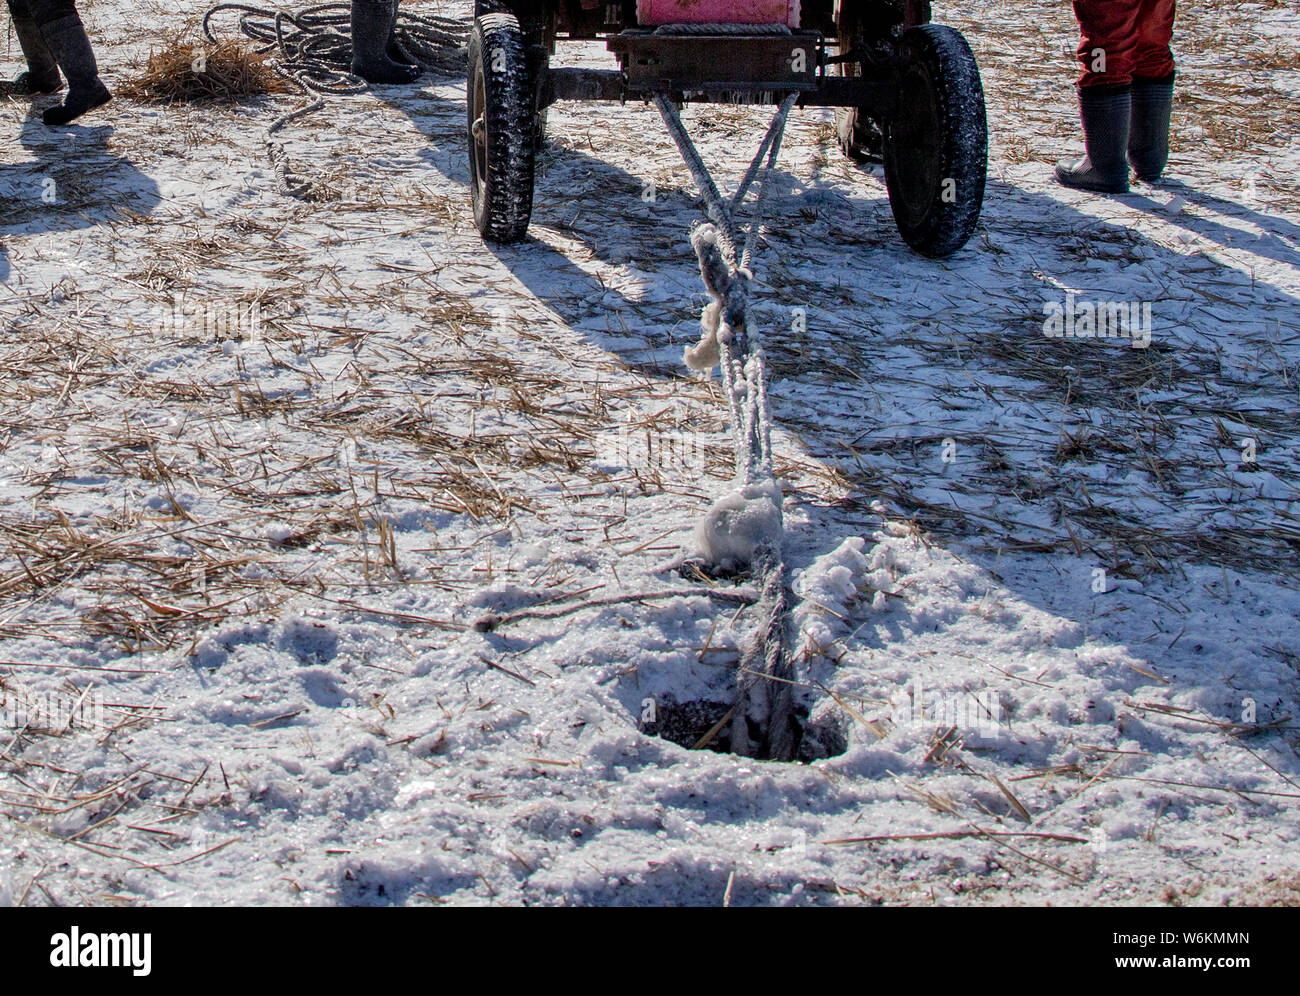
[685, 723]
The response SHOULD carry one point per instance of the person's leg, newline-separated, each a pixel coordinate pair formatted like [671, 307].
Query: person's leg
[1108, 41]
[372, 24]
[42, 75]
[1153, 58]
[1153, 91]
[392, 49]
[1107, 49]
[66, 37]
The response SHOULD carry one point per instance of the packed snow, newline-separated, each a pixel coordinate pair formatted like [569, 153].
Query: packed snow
[353, 561]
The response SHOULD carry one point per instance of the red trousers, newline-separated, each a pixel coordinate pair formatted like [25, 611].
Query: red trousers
[1124, 39]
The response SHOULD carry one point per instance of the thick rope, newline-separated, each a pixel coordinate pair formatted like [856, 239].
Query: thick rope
[764, 696]
[314, 53]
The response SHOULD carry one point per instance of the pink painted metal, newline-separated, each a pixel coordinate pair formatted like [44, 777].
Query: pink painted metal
[652, 13]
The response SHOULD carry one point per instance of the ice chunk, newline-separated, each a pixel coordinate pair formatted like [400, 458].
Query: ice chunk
[740, 524]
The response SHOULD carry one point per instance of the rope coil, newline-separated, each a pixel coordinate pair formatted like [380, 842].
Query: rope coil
[314, 49]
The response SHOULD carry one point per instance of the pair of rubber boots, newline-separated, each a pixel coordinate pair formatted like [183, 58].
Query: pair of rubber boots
[1122, 126]
[60, 44]
[376, 56]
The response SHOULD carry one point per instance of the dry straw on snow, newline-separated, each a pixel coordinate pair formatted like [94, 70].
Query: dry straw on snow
[221, 73]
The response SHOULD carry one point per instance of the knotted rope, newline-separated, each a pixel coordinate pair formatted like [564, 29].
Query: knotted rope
[730, 341]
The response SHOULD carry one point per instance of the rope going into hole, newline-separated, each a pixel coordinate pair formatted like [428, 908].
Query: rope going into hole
[731, 342]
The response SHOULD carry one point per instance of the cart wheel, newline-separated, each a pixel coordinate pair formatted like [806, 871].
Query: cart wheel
[502, 128]
[936, 145]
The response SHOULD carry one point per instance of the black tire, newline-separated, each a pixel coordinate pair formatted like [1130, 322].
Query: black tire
[936, 144]
[500, 116]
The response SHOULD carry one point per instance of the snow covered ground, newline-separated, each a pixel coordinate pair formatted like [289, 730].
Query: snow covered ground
[265, 463]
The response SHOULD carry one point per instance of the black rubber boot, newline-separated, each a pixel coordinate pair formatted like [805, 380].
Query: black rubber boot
[67, 40]
[372, 22]
[42, 74]
[392, 49]
[1105, 112]
[1148, 137]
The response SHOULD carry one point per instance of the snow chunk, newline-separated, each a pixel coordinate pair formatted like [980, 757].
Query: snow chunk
[834, 582]
[533, 554]
[740, 524]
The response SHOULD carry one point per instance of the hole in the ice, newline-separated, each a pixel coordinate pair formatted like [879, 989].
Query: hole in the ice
[689, 722]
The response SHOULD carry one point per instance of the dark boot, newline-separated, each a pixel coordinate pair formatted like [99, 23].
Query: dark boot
[392, 49]
[66, 38]
[372, 22]
[1148, 137]
[1104, 111]
[42, 74]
